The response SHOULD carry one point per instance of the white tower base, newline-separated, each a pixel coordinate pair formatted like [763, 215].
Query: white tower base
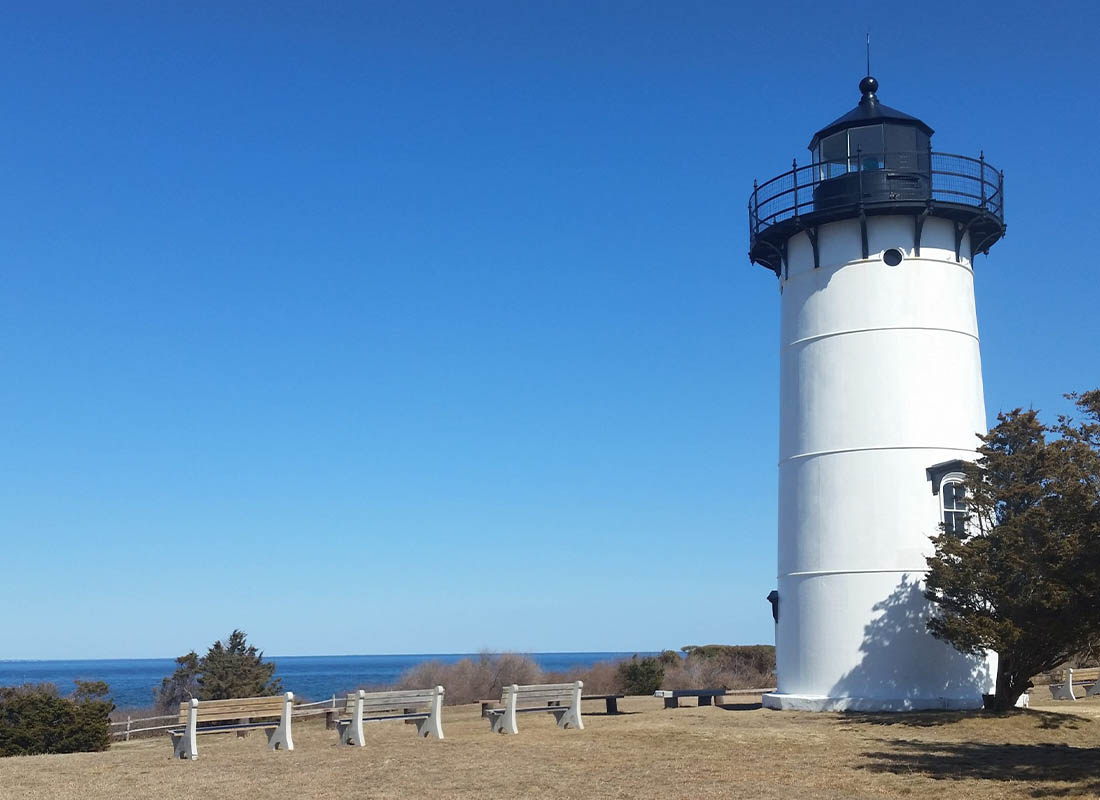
[811, 702]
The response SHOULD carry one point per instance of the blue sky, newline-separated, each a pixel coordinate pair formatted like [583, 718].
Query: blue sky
[427, 327]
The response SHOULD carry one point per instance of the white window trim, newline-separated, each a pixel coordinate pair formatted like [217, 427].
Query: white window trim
[951, 477]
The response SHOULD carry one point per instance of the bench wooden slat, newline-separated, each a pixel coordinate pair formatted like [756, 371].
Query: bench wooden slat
[238, 727]
[554, 693]
[396, 694]
[273, 700]
[692, 692]
[384, 717]
[377, 700]
[212, 710]
[1084, 675]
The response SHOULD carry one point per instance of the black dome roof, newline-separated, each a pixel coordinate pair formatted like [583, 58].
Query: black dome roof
[869, 110]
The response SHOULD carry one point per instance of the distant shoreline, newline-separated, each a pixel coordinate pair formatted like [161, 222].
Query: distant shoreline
[273, 657]
[133, 680]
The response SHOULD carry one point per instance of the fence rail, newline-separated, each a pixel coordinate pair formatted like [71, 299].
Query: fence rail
[124, 728]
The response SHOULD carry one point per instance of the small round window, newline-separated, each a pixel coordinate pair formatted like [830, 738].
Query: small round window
[892, 257]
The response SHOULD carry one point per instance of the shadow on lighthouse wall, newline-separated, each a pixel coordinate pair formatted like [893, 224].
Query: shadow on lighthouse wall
[902, 661]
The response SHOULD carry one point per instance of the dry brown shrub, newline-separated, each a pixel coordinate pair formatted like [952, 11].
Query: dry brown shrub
[722, 667]
[471, 680]
[601, 678]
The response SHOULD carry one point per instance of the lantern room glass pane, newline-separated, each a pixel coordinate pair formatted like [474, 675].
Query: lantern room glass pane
[865, 147]
[923, 147]
[834, 155]
[901, 147]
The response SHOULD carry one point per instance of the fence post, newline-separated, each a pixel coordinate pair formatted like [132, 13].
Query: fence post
[981, 179]
[127, 728]
[859, 167]
[794, 179]
[755, 212]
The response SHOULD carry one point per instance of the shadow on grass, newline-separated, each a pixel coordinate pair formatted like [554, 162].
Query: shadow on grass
[1048, 720]
[612, 713]
[739, 706]
[1030, 763]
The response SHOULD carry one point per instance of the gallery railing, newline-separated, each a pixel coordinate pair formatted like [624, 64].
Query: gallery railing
[876, 178]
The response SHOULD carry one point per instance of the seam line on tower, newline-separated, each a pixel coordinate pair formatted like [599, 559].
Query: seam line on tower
[965, 264]
[882, 328]
[847, 572]
[866, 449]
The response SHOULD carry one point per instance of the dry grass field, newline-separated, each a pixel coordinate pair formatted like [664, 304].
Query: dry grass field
[736, 751]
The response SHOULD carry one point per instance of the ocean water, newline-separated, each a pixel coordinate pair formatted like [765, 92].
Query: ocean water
[132, 680]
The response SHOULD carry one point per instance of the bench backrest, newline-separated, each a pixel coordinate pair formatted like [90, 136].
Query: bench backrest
[376, 702]
[1079, 675]
[541, 694]
[236, 708]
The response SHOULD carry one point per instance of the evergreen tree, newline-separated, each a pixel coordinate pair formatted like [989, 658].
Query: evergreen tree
[230, 668]
[641, 676]
[180, 686]
[1025, 579]
[234, 668]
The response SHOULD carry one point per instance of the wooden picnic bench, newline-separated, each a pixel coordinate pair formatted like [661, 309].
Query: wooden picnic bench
[422, 707]
[611, 703]
[240, 711]
[706, 696]
[1062, 683]
[546, 697]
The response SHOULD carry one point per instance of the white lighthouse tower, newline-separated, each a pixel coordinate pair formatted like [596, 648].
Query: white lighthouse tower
[880, 398]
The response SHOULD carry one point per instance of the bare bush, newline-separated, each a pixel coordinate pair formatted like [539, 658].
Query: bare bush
[601, 678]
[722, 667]
[471, 680]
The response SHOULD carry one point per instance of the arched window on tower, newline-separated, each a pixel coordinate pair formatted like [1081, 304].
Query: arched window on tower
[947, 484]
[953, 502]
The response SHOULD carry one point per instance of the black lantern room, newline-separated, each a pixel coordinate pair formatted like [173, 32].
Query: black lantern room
[875, 160]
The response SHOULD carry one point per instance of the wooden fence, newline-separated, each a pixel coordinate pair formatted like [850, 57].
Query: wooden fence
[124, 729]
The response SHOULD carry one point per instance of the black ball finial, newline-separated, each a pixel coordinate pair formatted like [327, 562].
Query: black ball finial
[868, 86]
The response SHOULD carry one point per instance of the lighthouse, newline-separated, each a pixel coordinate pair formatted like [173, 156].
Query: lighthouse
[873, 243]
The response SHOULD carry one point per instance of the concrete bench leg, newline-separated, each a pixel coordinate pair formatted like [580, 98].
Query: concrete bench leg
[351, 730]
[501, 722]
[432, 725]
[1062, 691]
[280, 737]
[571, 717]
[613, 705]
[185, 743]
[568, 718]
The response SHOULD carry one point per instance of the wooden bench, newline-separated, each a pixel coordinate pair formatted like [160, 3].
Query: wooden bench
[611, 703]
[240, 711]
[706, 696]
[1062, 683]
[423, 707]
[547, 697]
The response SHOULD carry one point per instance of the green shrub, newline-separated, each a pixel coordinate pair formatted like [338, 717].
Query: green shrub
[35, 719]
[759, 657]
[641, 676]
